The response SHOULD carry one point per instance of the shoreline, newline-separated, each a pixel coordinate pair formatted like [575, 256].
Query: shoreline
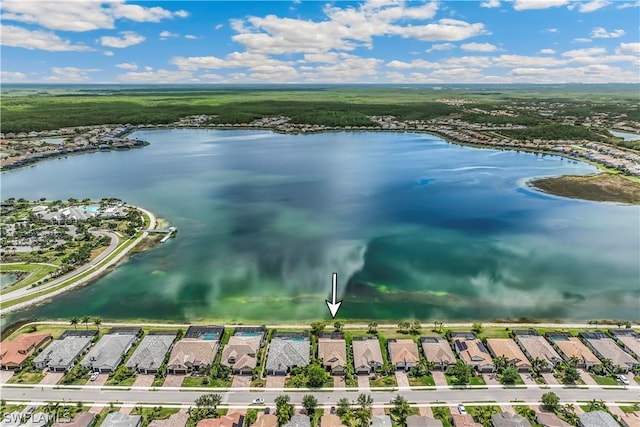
[120, 254]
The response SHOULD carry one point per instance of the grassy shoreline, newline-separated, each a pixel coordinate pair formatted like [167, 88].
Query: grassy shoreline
[601, 187]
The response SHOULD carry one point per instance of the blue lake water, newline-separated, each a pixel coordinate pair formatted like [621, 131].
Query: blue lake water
[414, 227]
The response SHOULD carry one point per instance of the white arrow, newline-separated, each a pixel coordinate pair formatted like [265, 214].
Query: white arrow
[333, 305]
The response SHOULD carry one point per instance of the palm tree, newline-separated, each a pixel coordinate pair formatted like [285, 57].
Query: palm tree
[74, 321]
[537, 365]
[97, 321]
[363, 413]
[400, 410]
[500, 363]
[86, 320]
[373, 327]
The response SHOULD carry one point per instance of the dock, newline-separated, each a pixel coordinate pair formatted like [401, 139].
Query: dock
[168, 231]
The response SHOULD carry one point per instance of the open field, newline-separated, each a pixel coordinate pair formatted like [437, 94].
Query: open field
[600, 187]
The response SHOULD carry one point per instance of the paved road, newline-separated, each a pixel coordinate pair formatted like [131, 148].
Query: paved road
[113, 245]
[243, 398]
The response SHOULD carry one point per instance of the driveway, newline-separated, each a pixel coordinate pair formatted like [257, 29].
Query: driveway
[52, 377]
[588, 379]
[274, 381]
[528, 379]
[401, 378]
[126, 410]
[4, 376]
[439, 378]
[491, 379]
[240, 381]
[549, 378]
[363, 382]
[507, 408]
[338, 382]
[173, 381]
[426, 411]
[144, 380]
[101, 380]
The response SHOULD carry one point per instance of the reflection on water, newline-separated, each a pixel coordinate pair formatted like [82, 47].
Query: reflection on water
[413, 226]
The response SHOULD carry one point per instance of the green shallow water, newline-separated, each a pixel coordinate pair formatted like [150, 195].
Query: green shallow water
[414, 227]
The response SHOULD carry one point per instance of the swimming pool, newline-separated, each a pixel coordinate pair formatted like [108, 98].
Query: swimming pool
[248, 334]
[210, 336]
[92, 209]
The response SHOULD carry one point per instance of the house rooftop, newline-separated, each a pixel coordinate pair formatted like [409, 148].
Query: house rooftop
[381, 421]
[242, 350]
[422, 421]
[608, 349]
[464, 420]
[63, 351]
[266, 420]
[571, 346]
[471, 349]
[403, 351]
[286, 352]
[538, 347]
[234, 419]
[191, 351]
[179, 419]
[597, 419]
[332, 352]
[507, 419]
[547, 419]
[118, 419]
[331, 420]
[82, 419]
[437, 350]
[151, 351]
[366, 352]
[299, 421]
[508, 348]
[108, 352]
[16, 351]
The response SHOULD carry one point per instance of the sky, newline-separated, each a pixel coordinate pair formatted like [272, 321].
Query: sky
[310, 41]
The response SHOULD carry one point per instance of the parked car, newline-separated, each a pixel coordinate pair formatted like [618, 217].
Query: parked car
[267, 411]
[462, 409]
[333, 410]
[94, 376]
[624, 380]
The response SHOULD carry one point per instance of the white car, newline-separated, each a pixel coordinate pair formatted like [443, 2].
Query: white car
[94, 376]
[462, 409]
[624, 380]
[258, 401]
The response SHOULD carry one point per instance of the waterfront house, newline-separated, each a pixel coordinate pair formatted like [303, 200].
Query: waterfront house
[508, 348]
[151, 352]
[241, 353]
[422, 421]
[597, 419]
[438, 351]
[15, 352]
[62, 354]
[81, 419]
[367, 357]
[196, 351]
[288, 350]
[299, 420]
[108, 353]
[403, 353]
[628, 339]
[535, 346]
[507, 419]
[118, 419]
[332, 352]
[571, 347]
[606, 348]
[472, 352]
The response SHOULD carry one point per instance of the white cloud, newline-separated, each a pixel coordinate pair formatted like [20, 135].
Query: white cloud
[550, 30]
[479, 47]
[70, 74]
[158, 76]
[190, 37]
[628, 5]
[9, 76]
[81, 15]
[582, 40]
[526, 61]
[547, 51]
[537, 4]
[596, 73]
[127, 66]
[148, 68]
[589, 51]
[43, 40]
[628, 49]
[166, 34]
[107, 53]
[129, 38]
[490, 3]
[601, 33]
[591, 6]
[445, 29]
[217, 27]
[441, 46]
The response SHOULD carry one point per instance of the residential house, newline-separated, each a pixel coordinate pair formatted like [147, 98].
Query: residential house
[438, 351]
[464, 420]
[299, 420]
[235, 419]
[151, 352]
[107, 354]
[179, 419]
[571, 347]
[332, 351]
[241, 353]
[403, 353]
[288, 350]
[331, 420]
[535, 346]
[266, 420]
[15, 352]
[472, 352]
[548, 419]
[367, 357]
[381, 421]
[422, 421]
[196, 351]
[508, 348]
[597, 419]
[118, 419]
[82, 419]
[507, 419]
[606, 348]
[628, 339]
[62, 353]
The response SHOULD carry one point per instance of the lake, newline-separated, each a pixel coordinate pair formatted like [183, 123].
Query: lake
[414, 227]
[627, 136]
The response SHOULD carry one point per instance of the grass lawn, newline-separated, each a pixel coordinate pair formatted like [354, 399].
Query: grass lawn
[518, 381]
[103, 414]
[150, 414]
[7, 409]
[602, 380]
[628, 409]
[388, 381]
[157, 382]
[26, 378]
[35, 273]
[424, 380]
[259, 382]
[197, 382]
[443, 413]
[125, 382]
[473, 381]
